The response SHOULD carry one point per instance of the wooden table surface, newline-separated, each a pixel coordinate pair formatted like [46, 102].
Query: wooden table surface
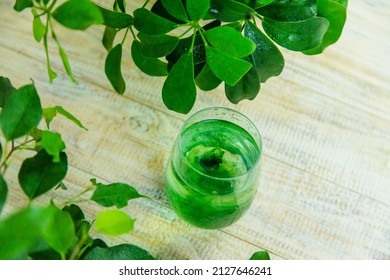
[325, 122]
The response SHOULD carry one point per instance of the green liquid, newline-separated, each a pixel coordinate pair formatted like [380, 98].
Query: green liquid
[207, 180]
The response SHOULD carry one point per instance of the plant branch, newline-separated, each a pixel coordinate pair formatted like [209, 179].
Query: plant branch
[73, 199]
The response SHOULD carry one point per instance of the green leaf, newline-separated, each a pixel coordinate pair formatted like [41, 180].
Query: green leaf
[50, 72]
[76, 214]
[206, 80]
[117, 194]
[257, 3]
[197, 9]
[39, 174]
[3, 191]
[184, 46]
[260, 255]
[108, 37]
[78, 14]
[335, 12]
[50, 113]
[119, 252]
[246, 88]
[113, 71]
[176, 9]
[159, 9]
[121, 5]
[66, 64]
[229, 41]
[59, 233]
[149, 65]
[266, 59]
[229, 10]
[21, 112]
[6, 89]
[227, 68]
[39, 29]
[52, 143]
[60, 110]
[36, 134]
[179, 90]
[20, 5]
[113, 222]
[297, 36]
[157, 45]
[289, 10]
[150, 23]
[116, 19]
[21, 231]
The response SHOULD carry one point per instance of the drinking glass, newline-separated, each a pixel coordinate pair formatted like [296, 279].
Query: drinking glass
[213, 170]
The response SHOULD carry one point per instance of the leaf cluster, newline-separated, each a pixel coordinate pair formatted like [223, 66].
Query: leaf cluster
[198, 43]
[58, 230]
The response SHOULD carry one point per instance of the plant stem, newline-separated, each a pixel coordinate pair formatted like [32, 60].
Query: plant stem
[132, 33]
[185, 32]
[77, 249]
[71, 200]
[203, 37]
[193, 41]
[4, 164]
[124, 37]
[146, 3]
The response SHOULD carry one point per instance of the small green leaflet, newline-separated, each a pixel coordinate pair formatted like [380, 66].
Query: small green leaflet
[290, 10]
[20, 5]
[50, 72]
[179, 89]
[52, 143]
[113, 71]
[206, 80]
[149, 65]
[228, 69]
[150, 23]
[3, 191]
[197, 9]
[117, 194]
[121, 5]
[108, 37]
[116, 19]
[176, 9]
[157, 45]
[119, 252]
[113, 222]
[246, 88]
[297, 36]
[229, 10]
[6, 89]
[59, 233]
[50, 113]
[76, 214]
[39, 29]
[66, 64]
[266, 58]
[260, 255]
[334, 11]
[230, 41]
[78, 14]
[40, 174]
[21, 112]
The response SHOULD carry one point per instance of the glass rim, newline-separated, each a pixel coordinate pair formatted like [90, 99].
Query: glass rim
[259, 143]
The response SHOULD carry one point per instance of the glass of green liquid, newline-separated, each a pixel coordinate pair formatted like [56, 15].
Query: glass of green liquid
[213, 170]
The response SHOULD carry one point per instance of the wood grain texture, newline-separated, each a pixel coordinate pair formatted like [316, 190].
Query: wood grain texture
[325, 122]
